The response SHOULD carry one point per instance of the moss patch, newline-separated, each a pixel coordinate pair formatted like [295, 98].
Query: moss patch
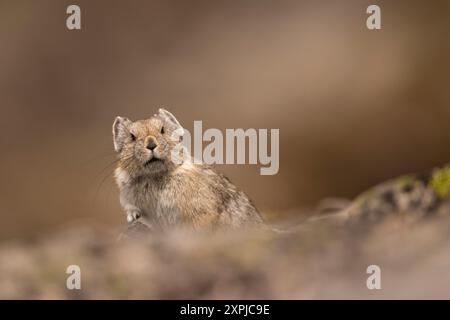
[440, 182]
[407, 181]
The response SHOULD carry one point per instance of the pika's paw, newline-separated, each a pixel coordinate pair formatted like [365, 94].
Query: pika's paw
[133, 216]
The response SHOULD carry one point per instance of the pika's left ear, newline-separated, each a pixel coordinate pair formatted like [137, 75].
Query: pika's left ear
[169, 118]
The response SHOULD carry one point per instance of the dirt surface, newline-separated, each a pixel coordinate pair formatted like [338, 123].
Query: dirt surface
[319, 260]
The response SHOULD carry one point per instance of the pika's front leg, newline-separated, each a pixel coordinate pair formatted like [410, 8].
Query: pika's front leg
[133, 212]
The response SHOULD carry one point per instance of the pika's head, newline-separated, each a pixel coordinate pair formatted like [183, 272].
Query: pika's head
[148, 146]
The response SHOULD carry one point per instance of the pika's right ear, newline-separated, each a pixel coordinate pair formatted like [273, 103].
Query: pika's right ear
[121, 132]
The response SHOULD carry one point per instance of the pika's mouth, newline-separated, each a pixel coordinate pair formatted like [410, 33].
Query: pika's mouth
[152, 160]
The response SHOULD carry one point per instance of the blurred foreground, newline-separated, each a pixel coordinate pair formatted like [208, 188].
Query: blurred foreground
[316, 261]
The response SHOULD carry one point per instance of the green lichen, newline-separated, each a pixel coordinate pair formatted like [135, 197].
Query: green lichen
[361, 200]
[440, 182]
[406, 181]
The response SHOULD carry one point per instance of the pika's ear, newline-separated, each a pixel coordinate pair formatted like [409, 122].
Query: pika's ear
[120, 132]
[169, 118]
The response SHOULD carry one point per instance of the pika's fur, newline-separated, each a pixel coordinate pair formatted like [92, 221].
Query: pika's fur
[161, 186]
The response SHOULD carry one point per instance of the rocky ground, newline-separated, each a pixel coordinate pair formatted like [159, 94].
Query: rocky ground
[317, 260]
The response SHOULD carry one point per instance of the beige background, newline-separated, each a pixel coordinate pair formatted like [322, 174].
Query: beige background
[354, 106]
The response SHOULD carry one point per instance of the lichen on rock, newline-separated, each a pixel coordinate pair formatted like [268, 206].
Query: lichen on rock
[440, 181]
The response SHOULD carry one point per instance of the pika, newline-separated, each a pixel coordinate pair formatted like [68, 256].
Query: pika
[161, 186]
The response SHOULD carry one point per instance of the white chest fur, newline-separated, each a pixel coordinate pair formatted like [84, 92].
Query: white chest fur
[148, 198]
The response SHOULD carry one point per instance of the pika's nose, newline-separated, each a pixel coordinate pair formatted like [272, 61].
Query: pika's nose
[150, 143]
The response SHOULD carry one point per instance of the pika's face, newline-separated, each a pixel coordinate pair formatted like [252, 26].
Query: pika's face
[147, 146]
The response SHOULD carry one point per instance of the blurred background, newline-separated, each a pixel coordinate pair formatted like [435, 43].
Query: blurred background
[354, 106]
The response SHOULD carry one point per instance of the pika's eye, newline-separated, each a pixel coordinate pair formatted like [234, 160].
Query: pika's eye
[162, 130]
[133, 137]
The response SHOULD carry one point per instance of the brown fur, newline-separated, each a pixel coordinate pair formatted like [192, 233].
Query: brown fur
[162, 192]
